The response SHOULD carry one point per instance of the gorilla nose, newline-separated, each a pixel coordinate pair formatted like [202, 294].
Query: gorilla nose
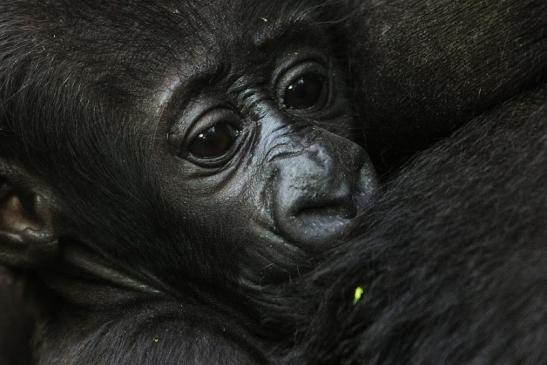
[321, 191]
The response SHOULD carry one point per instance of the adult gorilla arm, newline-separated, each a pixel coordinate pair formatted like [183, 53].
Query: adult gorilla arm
[453, 261]
[16, 319]
[422, 68]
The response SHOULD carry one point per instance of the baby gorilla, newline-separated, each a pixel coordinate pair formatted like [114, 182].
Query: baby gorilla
[161, 162]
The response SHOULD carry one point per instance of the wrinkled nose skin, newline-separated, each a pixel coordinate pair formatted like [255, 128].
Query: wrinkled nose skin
[322, 189]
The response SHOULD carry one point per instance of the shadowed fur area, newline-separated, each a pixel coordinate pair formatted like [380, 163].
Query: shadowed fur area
[475, 295]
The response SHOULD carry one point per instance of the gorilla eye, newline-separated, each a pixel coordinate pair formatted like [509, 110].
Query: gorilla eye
[304, 87]
[305, 92]
[213, 142]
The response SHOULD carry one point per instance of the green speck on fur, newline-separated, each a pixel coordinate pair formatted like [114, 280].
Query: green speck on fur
[358, 295]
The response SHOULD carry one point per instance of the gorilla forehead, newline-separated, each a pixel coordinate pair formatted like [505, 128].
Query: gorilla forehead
[109, 26]
[120, 49]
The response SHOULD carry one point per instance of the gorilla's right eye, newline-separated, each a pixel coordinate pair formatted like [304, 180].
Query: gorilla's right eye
[214, 142]
[212, 139]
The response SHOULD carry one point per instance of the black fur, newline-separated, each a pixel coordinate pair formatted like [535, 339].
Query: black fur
[451, 258]
[424, 68]
[475, 294]
[16, 320]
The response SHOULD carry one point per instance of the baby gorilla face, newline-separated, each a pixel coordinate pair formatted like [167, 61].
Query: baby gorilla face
[260, 153]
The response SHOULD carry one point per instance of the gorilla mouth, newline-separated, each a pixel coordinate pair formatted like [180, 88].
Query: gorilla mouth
[321, 223]
[344, 210]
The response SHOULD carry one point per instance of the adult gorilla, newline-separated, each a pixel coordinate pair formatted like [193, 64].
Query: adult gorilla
[452, 263]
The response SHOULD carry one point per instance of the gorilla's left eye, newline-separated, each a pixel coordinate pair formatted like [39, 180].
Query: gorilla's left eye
[304, 87]
[305, 92]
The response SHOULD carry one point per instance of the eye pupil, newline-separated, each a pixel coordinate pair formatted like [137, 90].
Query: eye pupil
[305, 92]
[213, 142]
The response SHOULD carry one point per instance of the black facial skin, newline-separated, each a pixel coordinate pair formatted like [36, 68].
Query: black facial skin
[163, 162]
[246, 145]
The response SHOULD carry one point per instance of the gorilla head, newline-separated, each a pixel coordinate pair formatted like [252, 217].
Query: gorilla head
[214, 145]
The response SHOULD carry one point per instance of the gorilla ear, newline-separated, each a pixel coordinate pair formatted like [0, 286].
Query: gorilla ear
[27, 238]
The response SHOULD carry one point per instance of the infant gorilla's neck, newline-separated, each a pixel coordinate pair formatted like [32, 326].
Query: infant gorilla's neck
[86, 282]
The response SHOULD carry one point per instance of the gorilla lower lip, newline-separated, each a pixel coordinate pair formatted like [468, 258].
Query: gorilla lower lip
[345, 211]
